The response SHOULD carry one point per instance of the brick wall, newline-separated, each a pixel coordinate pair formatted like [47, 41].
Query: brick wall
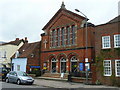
[103, 30]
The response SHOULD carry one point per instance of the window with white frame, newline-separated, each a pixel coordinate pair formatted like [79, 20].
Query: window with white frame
[106, 42]
[107, 68]
[5, 54]
[0, 55]
[117, 40]
[117, 67]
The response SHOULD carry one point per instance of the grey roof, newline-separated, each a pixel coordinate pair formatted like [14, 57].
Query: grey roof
[116, 19]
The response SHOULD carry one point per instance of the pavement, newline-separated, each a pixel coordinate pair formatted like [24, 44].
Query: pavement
[58, 83]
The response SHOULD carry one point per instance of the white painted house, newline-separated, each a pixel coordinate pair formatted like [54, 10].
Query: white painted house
[19, 64]
[7, 50]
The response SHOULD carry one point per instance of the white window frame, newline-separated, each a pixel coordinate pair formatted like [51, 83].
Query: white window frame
[116, 68]
[103, 42]
[116, 41]
[107, 67]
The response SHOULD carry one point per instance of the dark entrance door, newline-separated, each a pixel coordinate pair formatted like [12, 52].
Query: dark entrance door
[74, 66]
[63, 67]
[53, 67]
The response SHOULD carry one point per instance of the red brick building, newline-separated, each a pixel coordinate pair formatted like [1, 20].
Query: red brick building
[64, 43]
[107, 48]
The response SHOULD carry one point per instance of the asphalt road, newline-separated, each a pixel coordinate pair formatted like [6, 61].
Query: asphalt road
[13, 85]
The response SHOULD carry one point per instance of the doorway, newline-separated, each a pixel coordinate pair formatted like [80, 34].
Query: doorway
[63, 65]
[74, 64]
[53, 68]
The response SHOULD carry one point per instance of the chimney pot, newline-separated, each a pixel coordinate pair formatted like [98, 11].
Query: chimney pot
[26, 39]
[17, 39]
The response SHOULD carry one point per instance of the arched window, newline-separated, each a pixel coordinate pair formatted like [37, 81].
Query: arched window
[73, 35]
[63, 37]
[63, 65]
[53, 60]
[59, 35]
[68, 35]
[74, 64]
[63, 60]
[53, 65]
[73, 59]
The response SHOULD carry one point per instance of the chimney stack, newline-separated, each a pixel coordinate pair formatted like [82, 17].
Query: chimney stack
[26, 41]
[17, 39]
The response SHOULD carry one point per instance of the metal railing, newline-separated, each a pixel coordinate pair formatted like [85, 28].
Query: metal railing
[81, 74]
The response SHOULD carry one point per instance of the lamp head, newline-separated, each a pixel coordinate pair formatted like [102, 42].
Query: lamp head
[77, 10]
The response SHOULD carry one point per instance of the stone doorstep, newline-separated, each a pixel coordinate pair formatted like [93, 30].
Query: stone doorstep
[54, 75]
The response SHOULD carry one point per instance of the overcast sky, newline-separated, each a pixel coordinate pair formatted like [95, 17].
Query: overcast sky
[26, 18]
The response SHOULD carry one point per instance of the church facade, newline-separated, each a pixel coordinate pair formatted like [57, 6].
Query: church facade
[64, 47]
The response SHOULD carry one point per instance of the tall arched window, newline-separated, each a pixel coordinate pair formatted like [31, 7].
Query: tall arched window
[63, 65]
[63, 37]
[68, 35]
[53, 65]
[74, 64]
[58, 38]
[73, 35]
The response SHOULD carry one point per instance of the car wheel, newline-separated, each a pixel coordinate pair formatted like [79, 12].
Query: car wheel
[7, 80]
[18, 82]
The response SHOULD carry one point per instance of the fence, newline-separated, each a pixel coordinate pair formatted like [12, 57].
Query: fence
[81, 74]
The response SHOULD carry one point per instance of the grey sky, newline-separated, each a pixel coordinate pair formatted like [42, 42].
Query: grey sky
[26, 18]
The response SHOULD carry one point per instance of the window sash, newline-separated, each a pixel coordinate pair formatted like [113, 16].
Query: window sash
[63, 37]
[107, 68]
[73, 35]
[117, 40]
[117, 67]
[106, 42]
[68, 36]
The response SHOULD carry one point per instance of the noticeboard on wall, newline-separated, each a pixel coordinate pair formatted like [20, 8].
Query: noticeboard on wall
[81, 66]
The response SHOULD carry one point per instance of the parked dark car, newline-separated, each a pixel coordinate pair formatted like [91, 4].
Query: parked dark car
[19, 77]
[3, 72]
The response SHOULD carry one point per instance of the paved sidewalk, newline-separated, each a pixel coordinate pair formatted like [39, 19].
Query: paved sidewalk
[65, 84]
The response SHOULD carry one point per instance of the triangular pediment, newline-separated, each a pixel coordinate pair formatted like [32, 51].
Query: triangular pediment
[63, 17]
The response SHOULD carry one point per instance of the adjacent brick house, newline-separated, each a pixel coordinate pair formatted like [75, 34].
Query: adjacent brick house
[28, 57]
[64, 43]
[107, 48]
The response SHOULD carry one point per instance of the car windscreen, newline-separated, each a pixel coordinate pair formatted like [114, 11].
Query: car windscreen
[22, 74]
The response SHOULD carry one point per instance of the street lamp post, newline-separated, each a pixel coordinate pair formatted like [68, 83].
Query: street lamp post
[86, 36]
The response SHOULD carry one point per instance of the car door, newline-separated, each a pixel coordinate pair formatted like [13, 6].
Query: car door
[10, 76]
[14, 77]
